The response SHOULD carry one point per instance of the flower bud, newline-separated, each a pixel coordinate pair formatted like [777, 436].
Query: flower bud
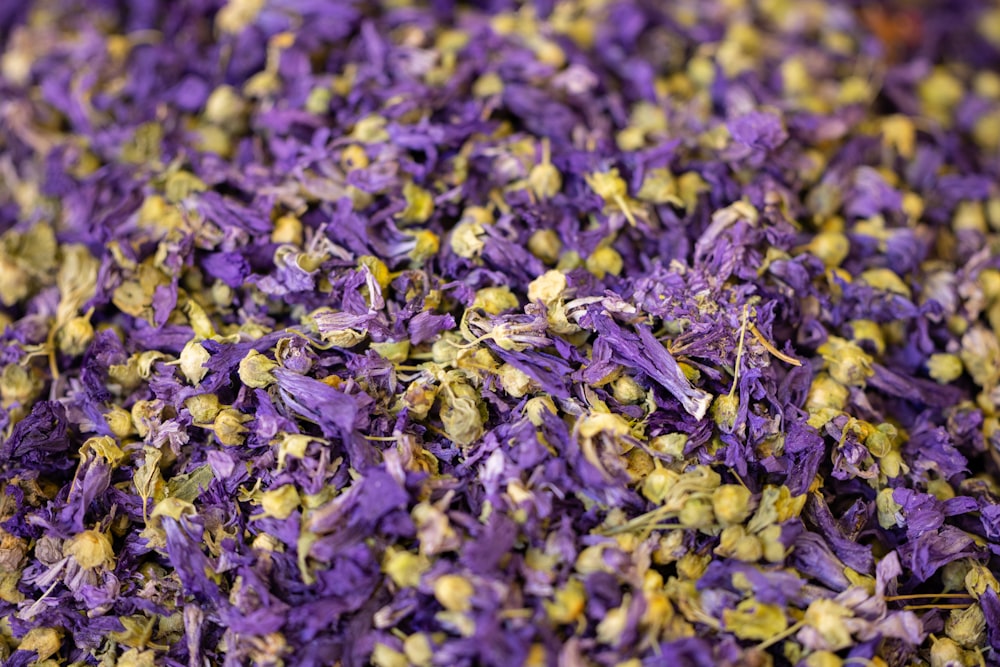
[91, 549]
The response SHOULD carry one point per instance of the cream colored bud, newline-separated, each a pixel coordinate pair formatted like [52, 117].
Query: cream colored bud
[91, 549]
[545, 245]
[514, 381]
[192, 360]
[203, 408]
[228, 426]
[548, 287]
[74, 336]
[255, 370]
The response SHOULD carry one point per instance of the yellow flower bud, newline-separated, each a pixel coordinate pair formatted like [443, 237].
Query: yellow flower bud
[453, 591]
[386, 656]
[495, 300]
[418, 649]
[545, 245]
[46, 642]
[946, 653]
[281, 502]
[203, 408]
[74, 336]
[604, 260]
[467, 239]
[731, 503]
[568, 603]
[514, 381]
[548, 287]
[287, 230]
[697, 513]
[255, 370]
[967, 626]
[419, 204]
[226, 108]
[944, 368]
[91, 549]
[228, 427]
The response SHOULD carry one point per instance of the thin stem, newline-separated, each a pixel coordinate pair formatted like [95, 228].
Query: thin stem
[791, 630]
[771, 348]
[918, 596]
[739, 352]
[911, 607]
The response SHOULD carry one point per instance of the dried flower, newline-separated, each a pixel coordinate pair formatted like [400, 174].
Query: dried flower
[439, 335]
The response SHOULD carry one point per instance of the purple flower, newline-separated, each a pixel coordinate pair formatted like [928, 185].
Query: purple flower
[759, 130]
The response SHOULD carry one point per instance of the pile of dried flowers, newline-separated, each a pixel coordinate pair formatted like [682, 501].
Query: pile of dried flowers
[587, 332]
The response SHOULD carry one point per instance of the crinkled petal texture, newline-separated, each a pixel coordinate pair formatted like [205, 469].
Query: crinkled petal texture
[603, 333]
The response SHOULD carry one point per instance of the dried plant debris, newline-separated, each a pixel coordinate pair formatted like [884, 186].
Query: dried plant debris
[586, 332]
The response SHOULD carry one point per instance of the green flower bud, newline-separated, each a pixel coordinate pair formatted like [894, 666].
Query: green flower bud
[203, 408]
[888, 509]
[405, 567]
[953, 575]
[460, 415]
[18, 385]
[487, 85]
[826, 392]
[370, 130]
[869, 331]
[396, 351]
[46, 642]
[658, 483]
